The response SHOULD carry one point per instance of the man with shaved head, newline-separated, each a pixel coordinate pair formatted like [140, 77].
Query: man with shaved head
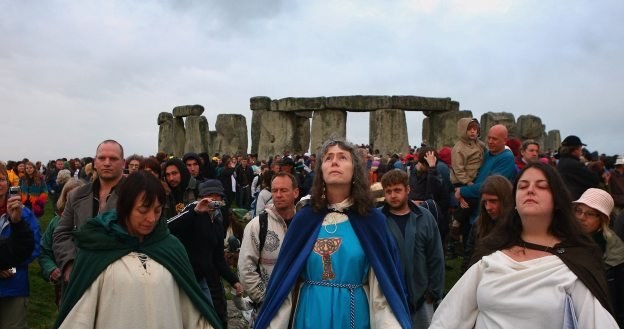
[498, 161]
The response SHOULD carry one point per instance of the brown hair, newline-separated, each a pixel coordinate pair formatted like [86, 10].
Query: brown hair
[394, 177]
[360, 190]
[71, 184]
[500, 187]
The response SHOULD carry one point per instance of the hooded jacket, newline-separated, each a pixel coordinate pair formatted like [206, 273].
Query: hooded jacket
[183, 194]
[467, 155]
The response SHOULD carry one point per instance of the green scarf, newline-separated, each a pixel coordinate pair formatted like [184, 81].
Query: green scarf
[102, 241]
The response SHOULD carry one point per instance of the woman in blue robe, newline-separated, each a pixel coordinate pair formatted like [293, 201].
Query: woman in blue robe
[338, 266]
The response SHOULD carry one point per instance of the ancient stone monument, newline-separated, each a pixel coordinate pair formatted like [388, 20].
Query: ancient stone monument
[279, 125]
[186, 130]
[299, 124]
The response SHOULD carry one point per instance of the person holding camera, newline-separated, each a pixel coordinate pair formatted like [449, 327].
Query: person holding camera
[19, 246]
[200, 228]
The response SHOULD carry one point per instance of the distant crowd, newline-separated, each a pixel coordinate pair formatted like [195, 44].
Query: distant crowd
[348, 229]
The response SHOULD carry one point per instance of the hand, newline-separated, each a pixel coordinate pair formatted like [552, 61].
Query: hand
[204, 206]
[14, 208]
[463, 203]
[431, 159]
[239, 289]
[67, 271]
[6, 274]
[55, 275]
[458, 194]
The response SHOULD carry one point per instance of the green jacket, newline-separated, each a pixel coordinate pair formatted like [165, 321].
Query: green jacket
[46, 259]
[102, 241]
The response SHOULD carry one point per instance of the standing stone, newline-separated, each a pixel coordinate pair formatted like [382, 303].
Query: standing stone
[193, 135]
[204, 134]
[301, 143]
[187, 110]
[214, 142]
[553, 141]
[165, 133]
[529, 127]
[179, 136]
[327, 124]
[388, 131]
[277, 133]
[232, 131]
[493, 118]
[256, 124]
[440, 128]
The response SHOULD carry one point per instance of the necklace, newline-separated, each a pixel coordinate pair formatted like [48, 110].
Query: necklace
[331, 222]
[539, 247]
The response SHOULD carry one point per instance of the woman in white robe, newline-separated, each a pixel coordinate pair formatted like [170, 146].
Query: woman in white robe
[529, 265]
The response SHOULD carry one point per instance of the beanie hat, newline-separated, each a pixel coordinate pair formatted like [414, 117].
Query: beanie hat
[191, 155]
[211, 186]
[597, 199]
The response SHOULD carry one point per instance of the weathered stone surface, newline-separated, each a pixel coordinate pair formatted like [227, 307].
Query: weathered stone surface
[327, 124]
[301, 104]
[260, 103]
[277, 133]
[204, 134]
[552, 141]
[213, 138]
[187, 110]
[193, 141]
[301, 143]
[304, 114]
[388, 131]
[165, 133]
[440, 129]
[274, 105]
[493, 118]
[232, 134]
[417, 103]
[529, 127]
[358, 103]
[163, 117]
[179, 136]
[256, 119]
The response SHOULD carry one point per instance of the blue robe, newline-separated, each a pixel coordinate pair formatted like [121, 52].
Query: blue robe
[377, 243]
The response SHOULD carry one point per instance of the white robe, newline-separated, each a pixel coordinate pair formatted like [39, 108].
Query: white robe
[128, 296]
[499, 292]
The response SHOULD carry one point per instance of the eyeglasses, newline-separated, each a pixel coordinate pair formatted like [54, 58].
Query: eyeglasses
[589, 213]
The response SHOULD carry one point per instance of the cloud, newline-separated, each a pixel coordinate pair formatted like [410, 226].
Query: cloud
[86, 71]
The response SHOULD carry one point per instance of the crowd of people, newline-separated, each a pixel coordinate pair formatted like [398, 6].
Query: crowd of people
[345, 238]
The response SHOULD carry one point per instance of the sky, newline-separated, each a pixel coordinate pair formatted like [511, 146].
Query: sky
[73, 73]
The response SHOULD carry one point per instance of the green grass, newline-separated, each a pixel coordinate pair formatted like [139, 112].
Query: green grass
[41, 308]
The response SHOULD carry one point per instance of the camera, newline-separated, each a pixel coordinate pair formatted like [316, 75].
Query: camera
[217, 204]
[14, 191]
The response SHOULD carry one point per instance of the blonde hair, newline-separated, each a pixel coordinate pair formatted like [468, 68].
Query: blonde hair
[69, 186]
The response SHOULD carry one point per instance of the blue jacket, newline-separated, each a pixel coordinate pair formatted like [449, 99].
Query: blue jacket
[500, 164]
[18, 285]
[376, 241]
[422, 255]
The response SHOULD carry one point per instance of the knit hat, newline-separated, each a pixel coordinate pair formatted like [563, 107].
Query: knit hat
[619, 160]
[597, 199]
[211, 186]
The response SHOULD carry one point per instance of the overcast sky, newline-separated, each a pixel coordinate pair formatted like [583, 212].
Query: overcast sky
[73, 73]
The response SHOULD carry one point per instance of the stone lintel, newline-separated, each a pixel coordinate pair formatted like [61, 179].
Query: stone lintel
[260, 103]
[187, 110]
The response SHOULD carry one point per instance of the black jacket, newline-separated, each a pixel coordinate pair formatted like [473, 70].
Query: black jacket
[577, 177]
[202, 238]
[18, 246]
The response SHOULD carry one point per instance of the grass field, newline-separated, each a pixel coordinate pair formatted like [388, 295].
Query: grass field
[42, 311]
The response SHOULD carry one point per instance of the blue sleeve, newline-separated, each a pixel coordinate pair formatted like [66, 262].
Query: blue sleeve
[502, 164]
